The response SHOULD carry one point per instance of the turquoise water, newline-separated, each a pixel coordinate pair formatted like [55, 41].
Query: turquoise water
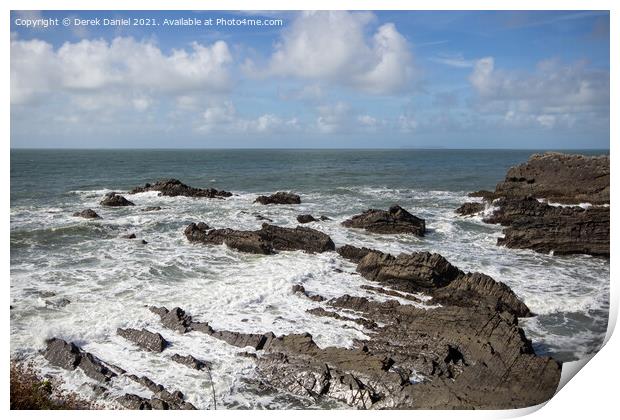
[108, 280]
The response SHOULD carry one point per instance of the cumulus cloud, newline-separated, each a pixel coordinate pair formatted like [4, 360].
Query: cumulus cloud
[124, 64]
[552, 94]
[223, 118]
[332, 47]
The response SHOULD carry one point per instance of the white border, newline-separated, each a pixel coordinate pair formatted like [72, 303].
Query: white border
[593, 394]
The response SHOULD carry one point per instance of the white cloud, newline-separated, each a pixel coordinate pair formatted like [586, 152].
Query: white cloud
[333, 118]
[453, 60]
[223, 118]
[553, 94]
[122, 65]
[332, 47]
[407, 123]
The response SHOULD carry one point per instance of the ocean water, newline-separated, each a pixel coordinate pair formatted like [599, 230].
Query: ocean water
[109, 280]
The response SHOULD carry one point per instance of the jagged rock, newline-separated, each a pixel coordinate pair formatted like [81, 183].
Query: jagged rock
[174, 187]
[175, 319]
[68, 356]
[434, 275]
[306, 218]
[134, 402]
[87, 214]
[152, 208]
[395, 220]
[265, 240]
[353, 253]
[559, 177]
[484, 194]
[298, 288]
[279, 198]
[544, 228]
[190, 361]
[299, 238]
[144, 338]
[113, 199]
[331, 314]
[468, 209]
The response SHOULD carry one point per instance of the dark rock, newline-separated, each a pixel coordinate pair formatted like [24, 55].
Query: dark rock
[484, 194]
[559, 177]
[353, 253]
[395, 220]
[331, 314]
[299, 238]
[134, 402]
[113, 199]
[130, 236]
[190, 361]
[265, 240]
[143, 242]
[261, 217]
[306, 218]
[468, 209]
[87, 214]
[174, 188]
[152, 208]
[175, 319]
[279, 198]
[144, 338]
[298, 288]
[561, 230]
[68, 356]
[324, 218]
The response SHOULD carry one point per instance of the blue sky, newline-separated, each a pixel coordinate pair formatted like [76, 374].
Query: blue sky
[327, 79]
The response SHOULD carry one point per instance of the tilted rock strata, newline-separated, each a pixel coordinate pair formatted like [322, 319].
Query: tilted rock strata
[174, 187]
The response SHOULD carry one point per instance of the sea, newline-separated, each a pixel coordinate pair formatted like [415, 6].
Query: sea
[80, 279]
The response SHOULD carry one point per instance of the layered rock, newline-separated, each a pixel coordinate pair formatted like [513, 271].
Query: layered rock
[470, 208]
[559, 177]
[561, 229]
[67, 355]
[113, 199]
[353, 253]
[263, 241]
[87, 214]
[144, 338]
[279, 198]
[393, 221]
[173, 188]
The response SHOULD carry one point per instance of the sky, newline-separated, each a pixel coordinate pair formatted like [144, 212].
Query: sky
[383, 79]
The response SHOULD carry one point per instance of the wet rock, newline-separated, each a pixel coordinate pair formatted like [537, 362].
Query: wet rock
[113, 199]
[331, 314]
[144, 338]
[279, 198]
[134, 402]
[353, 253]
[293, 239]
[261, 217]
[175, 319]
[151, 208]
[468, 209]
[306, 218]
[87, 214]
[484, 194]
[58, 303]
[130, 236]
[68, 356]
[298, 288]
[191, 362]
[174, 187]
[143, 242]
[265, 240]
[395, 220]
[559, 177]
[324, 218]
[544, 228]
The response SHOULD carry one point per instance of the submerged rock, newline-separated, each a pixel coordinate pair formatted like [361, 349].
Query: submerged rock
[151, 208]
[279, 198]
[173, 188]
[87, 214]
[395, 220]
[113, 199]
[144, 338]
[263, 241]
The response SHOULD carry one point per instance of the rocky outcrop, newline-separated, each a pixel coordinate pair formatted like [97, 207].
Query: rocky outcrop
[306, 218]
[395, 220]
[544, 228]
[279, 198]
[559, 177]
[190, 361]
[470, 208]
[173, 188]
[162, 399]
[67, 355]
[87, 214]
[353, 253]
[562, 229]
[263, 241]
[434, 275]
[113, 199]
[144, 338]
